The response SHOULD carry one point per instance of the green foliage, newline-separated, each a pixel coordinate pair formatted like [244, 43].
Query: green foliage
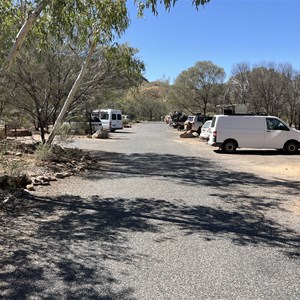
[37, 84]
[112, 72]
[148, 102]
[44, 152]
[7, 146]
[268, 88]
[122, 58]
[8, 25]
[168, 4]
[80, 22]
[51, 71]
[11, 166]
[15, 118]
[76, 22]
[64, 133]
[196, 88]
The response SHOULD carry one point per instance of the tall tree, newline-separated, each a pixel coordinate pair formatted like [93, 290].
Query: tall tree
[86, 23]
[112, 72]
[197, 87]
[238, 87]
[39, 82]
[65, 14]
[266, 88]
[270, 86]
[292, 94]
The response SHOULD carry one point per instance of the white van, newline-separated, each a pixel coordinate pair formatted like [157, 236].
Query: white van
[229, 132]
[111, 118]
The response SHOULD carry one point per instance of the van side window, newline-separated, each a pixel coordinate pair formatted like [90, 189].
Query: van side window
[275, 124]
[113, 116]
[104, 116]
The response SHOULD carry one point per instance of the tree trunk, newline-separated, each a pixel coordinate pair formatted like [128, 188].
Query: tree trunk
[42, 131]
[72, 93]
[20, 38]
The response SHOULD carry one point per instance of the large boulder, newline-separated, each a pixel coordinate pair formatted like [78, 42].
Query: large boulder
[189, 134]
[101, 134]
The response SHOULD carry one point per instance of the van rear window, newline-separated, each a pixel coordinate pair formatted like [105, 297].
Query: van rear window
[119, 117]
[113, 116]
[213, 122]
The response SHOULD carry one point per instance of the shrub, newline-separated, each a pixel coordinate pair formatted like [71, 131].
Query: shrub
[64, 133]
[44, 152]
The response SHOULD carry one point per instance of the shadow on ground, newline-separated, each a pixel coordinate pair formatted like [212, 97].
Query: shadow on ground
[182, 170]
[58, 246]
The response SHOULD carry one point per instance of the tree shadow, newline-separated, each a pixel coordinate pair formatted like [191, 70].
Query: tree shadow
[64, 246]
[180, 169]
[63, 243]
[234, 188]
[59, 247]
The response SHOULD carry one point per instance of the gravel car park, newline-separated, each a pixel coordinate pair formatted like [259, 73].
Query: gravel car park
[159, 218]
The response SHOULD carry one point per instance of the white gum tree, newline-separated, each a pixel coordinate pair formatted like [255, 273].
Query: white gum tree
[87, 23]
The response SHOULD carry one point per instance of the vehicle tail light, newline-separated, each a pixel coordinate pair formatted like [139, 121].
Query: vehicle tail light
[215, 136]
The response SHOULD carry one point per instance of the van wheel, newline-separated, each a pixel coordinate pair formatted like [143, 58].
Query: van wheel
[229, 146]
[291, 147]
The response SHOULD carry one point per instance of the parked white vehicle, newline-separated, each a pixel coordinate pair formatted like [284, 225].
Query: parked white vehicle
[81, 127]
[230, 132]
[96, 124]
[205, 130]
[195, 122]
[111, 118]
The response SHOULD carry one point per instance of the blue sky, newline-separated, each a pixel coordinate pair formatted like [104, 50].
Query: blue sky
[226, 32]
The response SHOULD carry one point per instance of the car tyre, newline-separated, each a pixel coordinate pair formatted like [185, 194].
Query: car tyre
[229, 146]
[291, 147]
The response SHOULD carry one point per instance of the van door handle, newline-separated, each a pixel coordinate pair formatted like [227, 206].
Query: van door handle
[268, 130]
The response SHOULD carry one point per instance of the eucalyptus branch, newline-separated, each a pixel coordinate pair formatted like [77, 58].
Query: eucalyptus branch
[21, 36]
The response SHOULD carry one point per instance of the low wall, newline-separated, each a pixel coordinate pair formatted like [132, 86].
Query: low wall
[5, 132]
[18, 132]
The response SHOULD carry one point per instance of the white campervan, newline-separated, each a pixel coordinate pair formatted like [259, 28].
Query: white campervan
[111, 118]
[229, 132]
